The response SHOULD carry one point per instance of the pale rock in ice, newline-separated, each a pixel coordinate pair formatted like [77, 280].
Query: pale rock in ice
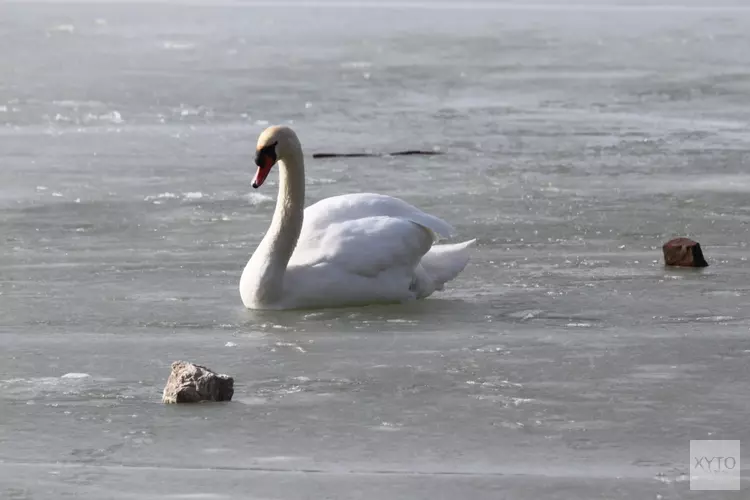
[189, 383]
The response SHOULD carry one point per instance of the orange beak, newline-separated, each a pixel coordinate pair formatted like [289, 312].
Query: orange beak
[265, 163]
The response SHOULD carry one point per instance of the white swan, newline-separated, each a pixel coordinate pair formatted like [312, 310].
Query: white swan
[347, 250]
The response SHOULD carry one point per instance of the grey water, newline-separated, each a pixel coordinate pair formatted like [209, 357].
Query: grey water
[565, 362]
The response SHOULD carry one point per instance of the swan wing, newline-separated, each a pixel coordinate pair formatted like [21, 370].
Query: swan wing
[361, 248]
[366, 247]
[350, 207]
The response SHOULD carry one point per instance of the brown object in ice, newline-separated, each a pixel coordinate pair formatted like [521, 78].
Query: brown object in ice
[189, 383]
[683, 252]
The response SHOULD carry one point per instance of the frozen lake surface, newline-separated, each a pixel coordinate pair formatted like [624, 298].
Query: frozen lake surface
[564, 363]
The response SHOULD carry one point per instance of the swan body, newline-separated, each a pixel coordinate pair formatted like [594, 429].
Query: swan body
[346, 250]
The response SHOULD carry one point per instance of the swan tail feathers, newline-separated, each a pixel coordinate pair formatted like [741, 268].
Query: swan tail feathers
[444, 262]
[437, 226]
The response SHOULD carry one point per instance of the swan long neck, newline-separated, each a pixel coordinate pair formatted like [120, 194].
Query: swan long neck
[272, 256]
[287, 218]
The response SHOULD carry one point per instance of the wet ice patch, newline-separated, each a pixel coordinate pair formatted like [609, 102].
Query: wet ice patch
[72, 113]
[280, 458]
[67, 384]
[195, 496]
[273, 326]
[388, 427]
[526, 315]
[252, 401]
[356, 64]
[497, 349]
[63, 28]
[113, 116]
[187, 112]
[177, 45]
[75, 104]
[657, 373]
[696, 319]
[715, 319]
[314, 315]
[320, 181]
[289, 390]
[161, 196]
[304, 389]
[72, 388]
[188, 196]
[286, 345]
[252, 199]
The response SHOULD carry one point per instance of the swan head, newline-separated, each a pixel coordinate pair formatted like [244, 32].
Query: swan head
[276, 143]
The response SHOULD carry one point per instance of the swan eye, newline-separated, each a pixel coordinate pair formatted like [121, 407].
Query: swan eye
[266, 152]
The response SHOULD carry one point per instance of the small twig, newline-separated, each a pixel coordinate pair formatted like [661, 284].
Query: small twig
[410, 152]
